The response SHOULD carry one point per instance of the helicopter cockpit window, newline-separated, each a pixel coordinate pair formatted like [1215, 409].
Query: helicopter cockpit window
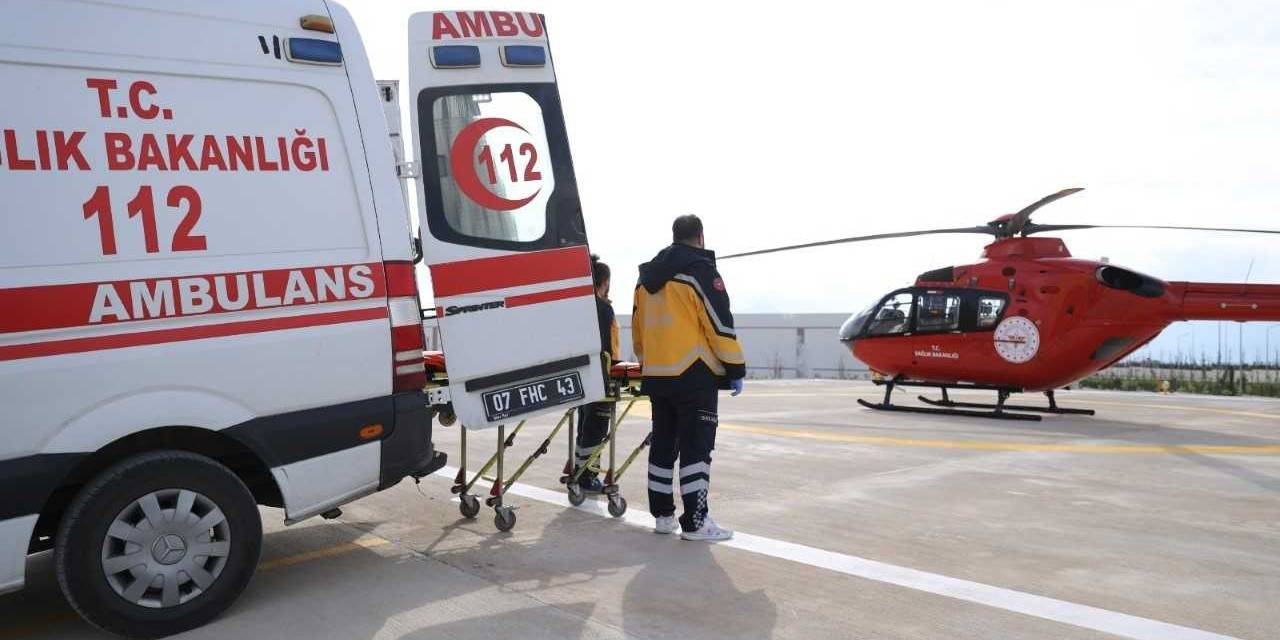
[989, 309]
[852, 328]
[938, 312]
[893, 316]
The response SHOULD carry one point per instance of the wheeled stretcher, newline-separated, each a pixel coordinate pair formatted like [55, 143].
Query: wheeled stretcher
[623, 386]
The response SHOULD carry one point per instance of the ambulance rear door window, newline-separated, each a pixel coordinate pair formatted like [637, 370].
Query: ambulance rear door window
[503, 178]
[496, 184]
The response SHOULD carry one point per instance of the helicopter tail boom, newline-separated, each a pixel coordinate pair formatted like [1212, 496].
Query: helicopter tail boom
[1224, 301]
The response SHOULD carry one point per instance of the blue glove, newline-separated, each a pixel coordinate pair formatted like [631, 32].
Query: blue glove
[736, 386]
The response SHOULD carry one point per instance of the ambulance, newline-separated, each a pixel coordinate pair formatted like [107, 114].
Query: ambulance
[208, 293]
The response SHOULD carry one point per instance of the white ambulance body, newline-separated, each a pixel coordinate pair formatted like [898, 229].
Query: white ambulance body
[207, 292]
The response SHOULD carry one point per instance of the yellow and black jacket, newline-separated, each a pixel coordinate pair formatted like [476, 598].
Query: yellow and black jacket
[681, 326]
[608, 329]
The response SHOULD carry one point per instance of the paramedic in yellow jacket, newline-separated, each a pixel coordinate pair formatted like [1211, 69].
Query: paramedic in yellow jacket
[683, 335]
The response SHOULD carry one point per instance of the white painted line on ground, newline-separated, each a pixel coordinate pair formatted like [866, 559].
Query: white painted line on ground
[1077, 615]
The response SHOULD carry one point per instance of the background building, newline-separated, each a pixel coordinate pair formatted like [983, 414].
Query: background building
[777, 345]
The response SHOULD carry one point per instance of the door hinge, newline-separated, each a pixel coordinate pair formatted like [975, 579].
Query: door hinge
[438, 396]
[406, 170]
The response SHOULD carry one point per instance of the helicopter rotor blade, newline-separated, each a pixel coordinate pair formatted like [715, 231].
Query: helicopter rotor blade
[877, 236]
[1019, 221]
[1044, 228]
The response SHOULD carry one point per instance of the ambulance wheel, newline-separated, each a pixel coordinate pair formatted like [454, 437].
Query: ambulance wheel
[576, 495]
[469, 505]
[504, 518]
[157, 544]
[617, 506]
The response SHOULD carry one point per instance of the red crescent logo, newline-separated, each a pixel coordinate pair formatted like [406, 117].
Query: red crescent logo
[464, 170]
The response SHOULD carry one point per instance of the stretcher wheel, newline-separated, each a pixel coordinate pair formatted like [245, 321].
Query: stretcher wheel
[617, 505]
[504, 518]
[576, 495]
[469, 505]
[446, 416]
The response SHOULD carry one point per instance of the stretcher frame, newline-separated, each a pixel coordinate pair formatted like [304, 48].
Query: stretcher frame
[622, 377]
[622, 383]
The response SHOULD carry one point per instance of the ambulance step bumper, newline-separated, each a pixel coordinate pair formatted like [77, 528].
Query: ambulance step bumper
[408, 451]
[437, 462]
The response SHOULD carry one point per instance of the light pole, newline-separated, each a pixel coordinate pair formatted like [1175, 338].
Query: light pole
[1240, 334]
[1267, 355]
[1219, 343]
[1185, 335]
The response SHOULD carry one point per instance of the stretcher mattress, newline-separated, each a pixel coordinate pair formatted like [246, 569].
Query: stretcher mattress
[619, 371]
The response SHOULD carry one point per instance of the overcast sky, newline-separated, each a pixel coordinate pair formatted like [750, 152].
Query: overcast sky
[800, 121]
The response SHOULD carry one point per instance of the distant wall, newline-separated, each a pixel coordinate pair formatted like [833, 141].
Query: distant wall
[785, 345]
[777, 345]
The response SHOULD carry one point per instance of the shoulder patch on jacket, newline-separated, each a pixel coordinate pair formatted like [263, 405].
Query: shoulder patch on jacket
[719, 324]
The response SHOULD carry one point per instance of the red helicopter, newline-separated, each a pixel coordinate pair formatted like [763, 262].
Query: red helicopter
[1029, 317]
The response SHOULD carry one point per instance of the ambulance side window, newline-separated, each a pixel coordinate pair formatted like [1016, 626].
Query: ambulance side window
[498, 173]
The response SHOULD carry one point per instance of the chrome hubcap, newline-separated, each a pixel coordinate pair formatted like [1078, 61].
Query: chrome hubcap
[166, 548]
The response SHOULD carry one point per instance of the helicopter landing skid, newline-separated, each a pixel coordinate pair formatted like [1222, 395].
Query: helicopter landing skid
[948, 407]
[1053, 407]
[938, 411]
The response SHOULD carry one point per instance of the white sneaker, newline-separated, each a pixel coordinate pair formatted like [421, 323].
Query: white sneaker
[710, 532]
[665, 524]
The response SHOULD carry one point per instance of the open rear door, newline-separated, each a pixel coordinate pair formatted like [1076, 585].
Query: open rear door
[504, 236]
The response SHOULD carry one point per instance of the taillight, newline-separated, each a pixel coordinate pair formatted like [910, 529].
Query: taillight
[408, 370]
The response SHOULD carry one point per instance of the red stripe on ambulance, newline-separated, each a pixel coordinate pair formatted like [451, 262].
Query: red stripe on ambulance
[515, 270]
[183, 334]
[549, 296]
[99, 303]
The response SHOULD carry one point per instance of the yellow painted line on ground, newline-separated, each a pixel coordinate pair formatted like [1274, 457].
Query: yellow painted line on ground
[982, 445]
[363, 542]
[1067, 400]
[1052, 447]
[992, 445]
[1183, 407]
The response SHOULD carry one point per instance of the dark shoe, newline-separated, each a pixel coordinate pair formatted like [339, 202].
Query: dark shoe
[591, 485]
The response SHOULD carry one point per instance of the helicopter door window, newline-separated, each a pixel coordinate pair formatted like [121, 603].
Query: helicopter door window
[938, 312]
[989, 310]
[893, 316]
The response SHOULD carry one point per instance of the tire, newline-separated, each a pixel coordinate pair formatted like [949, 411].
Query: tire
[504, 518]
[617, 506]
[576, 494]
[125, 500]
[469, 505]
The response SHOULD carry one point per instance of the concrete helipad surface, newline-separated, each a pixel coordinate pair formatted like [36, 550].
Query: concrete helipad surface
[1158, 518]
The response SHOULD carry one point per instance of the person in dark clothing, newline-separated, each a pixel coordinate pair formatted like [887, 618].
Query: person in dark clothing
[683, 334]
[595, 419]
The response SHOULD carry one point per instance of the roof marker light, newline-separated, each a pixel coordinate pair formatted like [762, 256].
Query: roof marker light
[455, 56]
[524, 55]
[312, 51]
[316, 23]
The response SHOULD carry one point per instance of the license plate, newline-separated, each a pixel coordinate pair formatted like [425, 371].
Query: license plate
[532, 396]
